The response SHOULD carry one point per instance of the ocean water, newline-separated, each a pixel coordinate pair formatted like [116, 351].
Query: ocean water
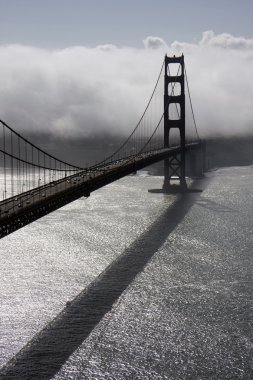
[129, 284]
[48, 263]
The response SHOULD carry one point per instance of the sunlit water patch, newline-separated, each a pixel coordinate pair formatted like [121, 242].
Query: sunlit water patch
[49, 262]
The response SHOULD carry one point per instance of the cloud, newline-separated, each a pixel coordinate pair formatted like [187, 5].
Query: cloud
[220, 80]
[154, 43]
[77, 91]
[226, 40]
[82, 91]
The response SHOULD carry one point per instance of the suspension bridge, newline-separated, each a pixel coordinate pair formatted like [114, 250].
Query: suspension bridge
[35, 183]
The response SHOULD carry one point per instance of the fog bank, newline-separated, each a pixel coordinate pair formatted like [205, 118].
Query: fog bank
[82, 91]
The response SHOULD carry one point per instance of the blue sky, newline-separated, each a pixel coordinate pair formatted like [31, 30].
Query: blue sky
[62, 23]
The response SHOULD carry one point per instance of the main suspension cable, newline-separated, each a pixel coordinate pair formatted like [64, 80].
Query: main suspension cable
[39, 149]
[136, 127]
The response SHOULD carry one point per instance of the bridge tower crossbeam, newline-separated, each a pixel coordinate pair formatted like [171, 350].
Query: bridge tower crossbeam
[174, 167]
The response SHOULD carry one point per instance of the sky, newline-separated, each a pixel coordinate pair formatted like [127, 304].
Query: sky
[64, 23]
[82, 66]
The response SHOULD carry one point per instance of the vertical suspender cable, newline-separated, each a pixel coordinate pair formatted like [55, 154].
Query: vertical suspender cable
[4, 146]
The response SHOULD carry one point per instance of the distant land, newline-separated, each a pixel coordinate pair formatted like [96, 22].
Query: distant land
[221, 151]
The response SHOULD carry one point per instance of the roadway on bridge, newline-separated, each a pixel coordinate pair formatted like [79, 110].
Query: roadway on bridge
[82, 179]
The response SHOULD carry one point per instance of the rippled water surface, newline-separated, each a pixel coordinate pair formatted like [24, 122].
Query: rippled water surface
[183, 306]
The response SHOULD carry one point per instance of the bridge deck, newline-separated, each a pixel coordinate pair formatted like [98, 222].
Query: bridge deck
[15, 212]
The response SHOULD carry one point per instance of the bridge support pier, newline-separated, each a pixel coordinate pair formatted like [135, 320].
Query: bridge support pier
[174, 167]
[196, 161]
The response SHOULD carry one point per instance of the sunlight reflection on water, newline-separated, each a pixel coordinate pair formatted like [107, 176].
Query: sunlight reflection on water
[49, 262]
[187, 314]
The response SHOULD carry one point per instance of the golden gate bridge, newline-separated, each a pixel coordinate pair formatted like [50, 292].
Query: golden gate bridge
[34, 183]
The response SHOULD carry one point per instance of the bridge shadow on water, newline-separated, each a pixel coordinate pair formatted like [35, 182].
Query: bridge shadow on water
[44, 355]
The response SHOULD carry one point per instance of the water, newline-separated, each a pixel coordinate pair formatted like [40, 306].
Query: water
[186, 314]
